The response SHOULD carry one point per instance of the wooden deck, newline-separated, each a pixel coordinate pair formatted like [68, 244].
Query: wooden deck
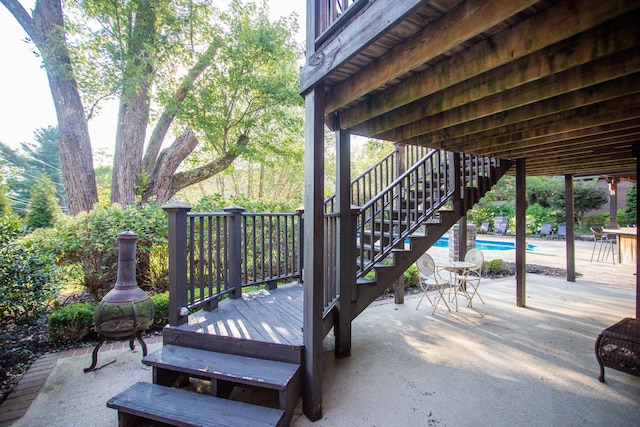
[271, 316]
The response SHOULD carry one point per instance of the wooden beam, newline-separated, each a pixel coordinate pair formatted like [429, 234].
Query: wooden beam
[599, 81]
[541, 31]
[460, 24]
[495, 140]
[374, 22]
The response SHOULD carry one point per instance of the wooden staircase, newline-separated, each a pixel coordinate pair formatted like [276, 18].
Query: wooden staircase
[395, 225]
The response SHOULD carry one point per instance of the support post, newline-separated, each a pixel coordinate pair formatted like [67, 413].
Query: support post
[636, 154]
[521, 232]
[300, 213]
[571, 238]
[346, 238]
[613, 202]
[234, 277]
[177, 241]
[313, 251]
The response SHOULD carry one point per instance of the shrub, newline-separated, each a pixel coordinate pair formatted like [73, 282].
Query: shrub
[599, 220]
[28, 280]
[538, 215]
[161, 304]
[72, 323]
[90, 240]
[496, 266]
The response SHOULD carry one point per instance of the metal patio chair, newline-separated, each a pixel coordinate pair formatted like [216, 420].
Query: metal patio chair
[430, 277]
[470, 280]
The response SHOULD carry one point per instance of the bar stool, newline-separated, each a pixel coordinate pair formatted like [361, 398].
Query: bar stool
[605, 243]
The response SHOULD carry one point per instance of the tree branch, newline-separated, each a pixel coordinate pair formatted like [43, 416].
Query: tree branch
[21, 15]
[165, 182]
[169, 114]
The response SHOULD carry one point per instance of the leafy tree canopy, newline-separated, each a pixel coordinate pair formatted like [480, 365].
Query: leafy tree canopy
[198, 85]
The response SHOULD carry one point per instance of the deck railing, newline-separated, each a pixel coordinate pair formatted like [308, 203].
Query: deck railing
[378, 177]
[331, 13]
[216, 254]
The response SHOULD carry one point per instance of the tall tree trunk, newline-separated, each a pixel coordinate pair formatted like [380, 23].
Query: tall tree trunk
[133, 115]
[46, 29]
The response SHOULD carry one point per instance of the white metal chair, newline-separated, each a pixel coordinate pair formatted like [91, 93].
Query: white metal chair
[430, 277]
[470, 280]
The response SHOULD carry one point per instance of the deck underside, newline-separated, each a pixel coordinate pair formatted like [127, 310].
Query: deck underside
[271, 316]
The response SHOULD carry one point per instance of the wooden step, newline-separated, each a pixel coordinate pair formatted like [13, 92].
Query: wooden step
[145, 401]
[227, 370]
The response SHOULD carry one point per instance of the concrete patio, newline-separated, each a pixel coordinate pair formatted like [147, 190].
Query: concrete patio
[494, 364]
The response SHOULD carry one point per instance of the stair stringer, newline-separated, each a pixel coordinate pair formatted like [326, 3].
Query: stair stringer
[368, 291]
[402, 259]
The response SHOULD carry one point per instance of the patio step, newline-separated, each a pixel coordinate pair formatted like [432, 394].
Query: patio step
[172, 363]
[145, 401]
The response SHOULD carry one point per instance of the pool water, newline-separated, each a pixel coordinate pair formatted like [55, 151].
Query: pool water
[484, 245]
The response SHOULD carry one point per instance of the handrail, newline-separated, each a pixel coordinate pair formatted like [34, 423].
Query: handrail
[401, 208]
[219, 253]
[377, 177]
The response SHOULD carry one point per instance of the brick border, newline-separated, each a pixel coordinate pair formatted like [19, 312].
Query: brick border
[19, 400]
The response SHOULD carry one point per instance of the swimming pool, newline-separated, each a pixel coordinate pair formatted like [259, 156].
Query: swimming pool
[484, 245]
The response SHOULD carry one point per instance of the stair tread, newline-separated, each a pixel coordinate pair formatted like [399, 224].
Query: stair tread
[230, 367]
[185, 408]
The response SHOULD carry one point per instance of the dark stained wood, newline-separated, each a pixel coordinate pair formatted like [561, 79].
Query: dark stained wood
[313, 275]
[521, 232]
[381, 17]
[268, 316]
[464, 21]
[145, 401]
[550, 81]
[346, 245]
[570, 238]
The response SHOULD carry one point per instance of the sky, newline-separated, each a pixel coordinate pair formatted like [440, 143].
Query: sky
[25, 99]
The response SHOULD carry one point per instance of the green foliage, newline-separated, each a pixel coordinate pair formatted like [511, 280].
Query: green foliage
[90, 239]
[71, 323]
[33, 160]
[624, 218]
[599, 220]
[5, 203]
[43, 208]
[11, 228]
[161, 304]
[411, 275]
[538, 215]
[28, 280]
[630, 215]
[496, 266]
[487, 212]
[586, 197]
[217, 203]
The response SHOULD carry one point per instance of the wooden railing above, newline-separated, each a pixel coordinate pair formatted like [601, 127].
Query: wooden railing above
[333, 12]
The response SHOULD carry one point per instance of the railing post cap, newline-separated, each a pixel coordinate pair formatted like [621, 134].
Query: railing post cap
[234, 209]
[174, 206]
[300, 210]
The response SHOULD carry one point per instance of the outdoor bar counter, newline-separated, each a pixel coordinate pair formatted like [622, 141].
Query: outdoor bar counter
[627, 240]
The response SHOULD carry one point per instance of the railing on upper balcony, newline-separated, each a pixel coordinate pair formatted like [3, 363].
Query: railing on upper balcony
[332, 12]
[216, 254]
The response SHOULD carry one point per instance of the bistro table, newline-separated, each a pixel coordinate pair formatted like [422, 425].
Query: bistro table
[627, 240]
[455, 269]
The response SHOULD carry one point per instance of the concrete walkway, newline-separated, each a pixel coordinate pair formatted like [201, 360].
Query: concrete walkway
[494, 364]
